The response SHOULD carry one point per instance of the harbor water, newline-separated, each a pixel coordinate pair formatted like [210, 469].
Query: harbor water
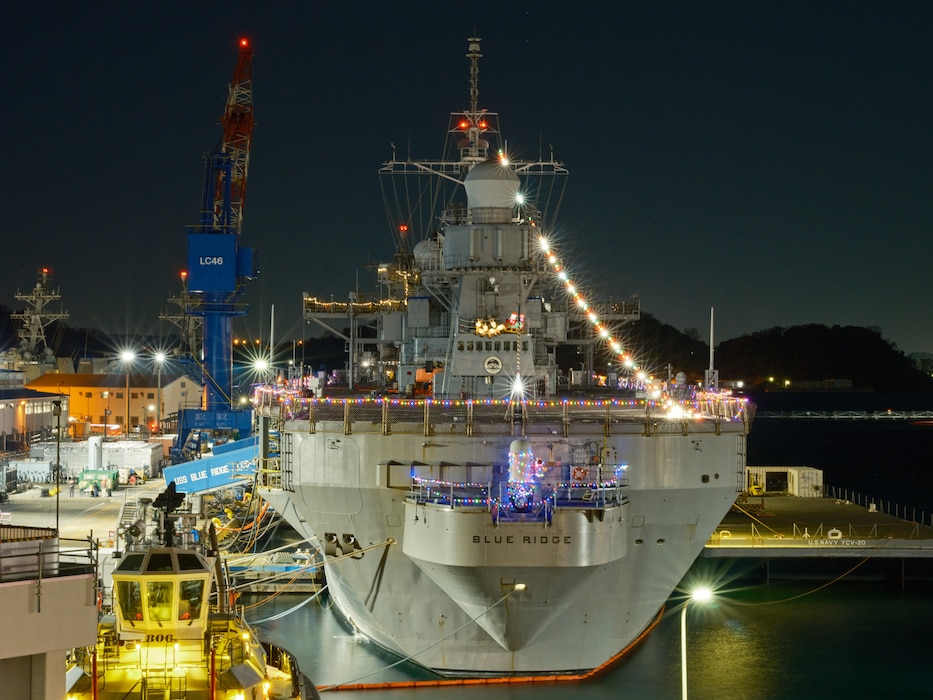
[797, 640]
[782, 641]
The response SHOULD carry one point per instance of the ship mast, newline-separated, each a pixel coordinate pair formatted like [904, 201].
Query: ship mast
[473, 147]
[37, 317]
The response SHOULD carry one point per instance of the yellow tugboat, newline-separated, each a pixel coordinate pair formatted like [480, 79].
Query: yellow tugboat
[174, 632]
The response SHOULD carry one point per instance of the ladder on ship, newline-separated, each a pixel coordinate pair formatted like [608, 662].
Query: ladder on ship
[454, 329]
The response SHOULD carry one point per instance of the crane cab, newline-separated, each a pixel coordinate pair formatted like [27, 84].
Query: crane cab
[161, 592]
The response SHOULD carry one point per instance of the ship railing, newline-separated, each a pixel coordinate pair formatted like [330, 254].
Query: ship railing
[521, 501]
[28, 553]
[233, 645]
[313, 305]
[449, 493]
[442, 331]
[387, 415]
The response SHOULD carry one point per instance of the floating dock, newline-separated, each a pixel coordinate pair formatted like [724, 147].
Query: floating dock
[278, 572]
[789, 536]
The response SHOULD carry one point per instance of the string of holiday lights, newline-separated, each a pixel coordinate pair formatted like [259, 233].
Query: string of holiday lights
[559, 270]
[718, 406]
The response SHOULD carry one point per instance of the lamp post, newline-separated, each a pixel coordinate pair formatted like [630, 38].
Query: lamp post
[127, 356]
[159, 358]
[57, 412]
[700, 595]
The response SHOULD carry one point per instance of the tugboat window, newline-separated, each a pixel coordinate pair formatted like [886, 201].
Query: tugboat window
[188, 561]
[130, 601]
[132, 562]
[190, 595]
[159, 600]
[160, 561]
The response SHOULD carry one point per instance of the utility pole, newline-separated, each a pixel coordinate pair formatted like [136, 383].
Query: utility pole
[57, 412]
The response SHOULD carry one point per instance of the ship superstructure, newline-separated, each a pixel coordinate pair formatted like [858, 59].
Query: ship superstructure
[473, 519]
[475, 303]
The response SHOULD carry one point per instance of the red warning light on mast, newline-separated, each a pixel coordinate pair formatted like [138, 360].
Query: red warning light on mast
[244, 43]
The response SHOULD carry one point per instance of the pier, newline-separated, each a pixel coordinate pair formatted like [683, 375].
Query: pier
[790, 536]
[924, 417]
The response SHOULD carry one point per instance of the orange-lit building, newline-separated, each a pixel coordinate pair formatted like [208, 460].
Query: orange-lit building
[97, 403]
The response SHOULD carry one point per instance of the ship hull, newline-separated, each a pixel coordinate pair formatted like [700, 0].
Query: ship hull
[464, 592]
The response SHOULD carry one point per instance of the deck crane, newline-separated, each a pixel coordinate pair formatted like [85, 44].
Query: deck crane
[217, 266]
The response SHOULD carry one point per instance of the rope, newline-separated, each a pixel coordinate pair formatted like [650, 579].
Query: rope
[289, 611]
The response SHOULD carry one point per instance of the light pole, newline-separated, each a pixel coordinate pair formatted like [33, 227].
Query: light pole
[127, 356]
[700, 595]
[57, 412]
[159, 358]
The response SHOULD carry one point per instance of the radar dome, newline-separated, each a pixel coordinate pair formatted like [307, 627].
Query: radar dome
[491, 185]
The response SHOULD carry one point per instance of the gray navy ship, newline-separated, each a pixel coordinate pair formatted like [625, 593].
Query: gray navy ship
[482, 514]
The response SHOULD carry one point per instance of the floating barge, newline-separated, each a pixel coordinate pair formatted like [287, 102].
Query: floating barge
[789, 537]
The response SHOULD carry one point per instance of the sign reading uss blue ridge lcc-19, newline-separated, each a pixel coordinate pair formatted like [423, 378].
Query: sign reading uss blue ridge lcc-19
[213, 471]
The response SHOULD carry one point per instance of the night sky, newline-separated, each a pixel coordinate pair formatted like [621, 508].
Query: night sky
[770, 159]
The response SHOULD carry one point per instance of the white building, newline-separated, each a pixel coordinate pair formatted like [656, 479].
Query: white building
[42, 623]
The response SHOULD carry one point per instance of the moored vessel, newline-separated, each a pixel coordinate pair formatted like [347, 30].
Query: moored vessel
[481, 511]
[175, 631]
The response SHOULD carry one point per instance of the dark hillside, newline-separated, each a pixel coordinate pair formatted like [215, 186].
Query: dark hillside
[816, 353]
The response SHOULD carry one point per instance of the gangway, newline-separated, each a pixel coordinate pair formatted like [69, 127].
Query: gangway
[231, 464]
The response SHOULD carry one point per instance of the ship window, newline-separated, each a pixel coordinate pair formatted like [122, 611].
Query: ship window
[496, 346]
[188, 561]
[160, 561]
[460, 346]
[488, 346]
[159, 600]
[524, 346]
[129, 598]
[469, 346]
[190, 595]
[132, 562]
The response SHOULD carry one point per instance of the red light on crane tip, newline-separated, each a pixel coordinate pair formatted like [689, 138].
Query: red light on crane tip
[244, 42]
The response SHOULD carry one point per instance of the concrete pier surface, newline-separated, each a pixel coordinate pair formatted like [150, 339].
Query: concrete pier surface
[79, 515]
